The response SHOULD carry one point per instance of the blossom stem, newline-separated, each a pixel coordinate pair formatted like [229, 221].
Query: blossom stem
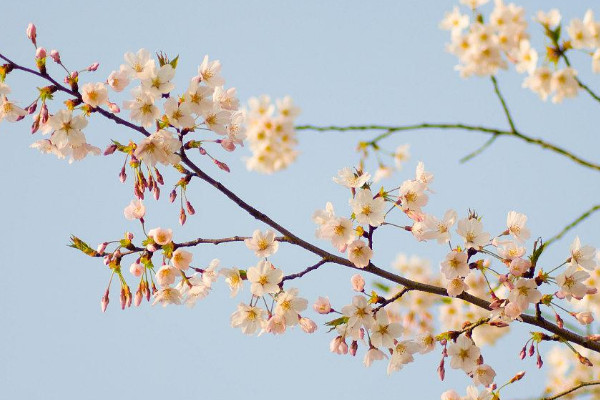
[579, 82]
[570, 226]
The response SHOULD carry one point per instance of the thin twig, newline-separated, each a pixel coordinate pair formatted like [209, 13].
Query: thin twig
[571, 390]
[572, 225]
[304, 272]
[391, 299]
[389, 130]
[195, 242]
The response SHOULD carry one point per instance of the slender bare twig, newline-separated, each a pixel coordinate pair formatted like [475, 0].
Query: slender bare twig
[392, 299]
[571, 390]
[304, 272]
[197, 241]
[389, 130]
[572, 225]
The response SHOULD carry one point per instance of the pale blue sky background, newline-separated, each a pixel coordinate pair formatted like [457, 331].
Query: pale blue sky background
[344, 63]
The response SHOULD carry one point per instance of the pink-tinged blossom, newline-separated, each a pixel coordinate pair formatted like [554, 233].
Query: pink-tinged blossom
[524, 292]
[367, 210]
[455, 265]
[456, 286]
[471, 229]
[275, 325]
[264, 278]
[564, 84]
[249, 319]
[510, 250]
[436, 229]
[142, 108]
[516, 226]
[350, 179]
[359, 253]
[161, 236]
[539, 82]
[263, 244]
[31, 32]
[402, 354]
[118, 80]
[66, 128]
[359, 313]
[167, 296]
[358, 283]
[519, 266]
[135, 210]
[159, 147]
[181, 259]
[289, 306]
[136, 269]
[179, 115]
[373, 354]
[158, 81]
[384, 332]
[412, 196]
[583, 256]
[4, 90]
[209, 72]
[166, 275]
[199, 98]
[233, 279]
[94, 94]
[139, 64]
[584, 318]
[571, 282]
[483, 374]
[474, 394]
[450, 395]
[226, 98]
[307, 325]
[339, 230]
[463, 353]
[322, 305]
[338, 345]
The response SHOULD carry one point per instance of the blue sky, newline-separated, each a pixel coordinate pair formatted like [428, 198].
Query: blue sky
[343, 63]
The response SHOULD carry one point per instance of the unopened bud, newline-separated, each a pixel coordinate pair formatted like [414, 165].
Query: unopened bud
[539, 361]
[55, 55]
[517, 377]
[584, 318]
[531, 350]
[523, 353]
[138, 298]
[93, 67]
[110, 149]
[182, 217]
[44, 114]
[442, 370]
[113, 108]
[104, 301]
[101, 247]
[156, 192]
[159, 177]
[584, 360]
[123, 175]
[31, 109]
[40, 52]
[32, 33]
[202, 151]
[353, 348]
[190, 208]
[307, 325]
[222, 166]
[36, 125]
[559, 321]
[358, 283]
[172, 196]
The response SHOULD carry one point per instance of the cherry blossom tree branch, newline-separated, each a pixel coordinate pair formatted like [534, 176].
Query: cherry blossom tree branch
[304, 272]
[389, 130]
[328, 257]
[572, 225]
[571, 390]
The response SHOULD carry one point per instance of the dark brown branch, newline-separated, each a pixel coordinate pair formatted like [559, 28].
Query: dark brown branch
[304, 272]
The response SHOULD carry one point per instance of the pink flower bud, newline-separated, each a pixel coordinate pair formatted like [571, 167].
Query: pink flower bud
[129, 235]
[123, 299]
[338, 346]
[591, 290]
[159, 177]
[531, 350]
[202, 151]
[322, 305]
[123, 176]
[228, 145]
[138, 298]
[106, 259]
[74, 75]
[353, 348]
[559, 321]
[539, 361]
[361, 333]
[222, 165]
[32, 33]
[307, 325]
[584, 318]
[104, 301]
[518, 377]
[156, 192]
[182, 217]
[36, 125]
[31, 109]
[358, 283]
[113, 108]
[523, 353]
[110, 149]
[44, 114]
[40, 52]
[172, 196]
[442, 370]
[55, 55]
[101, 247]
[190, 208]
[93, 67]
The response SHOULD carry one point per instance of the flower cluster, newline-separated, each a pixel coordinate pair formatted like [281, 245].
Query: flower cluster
[271, 134]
